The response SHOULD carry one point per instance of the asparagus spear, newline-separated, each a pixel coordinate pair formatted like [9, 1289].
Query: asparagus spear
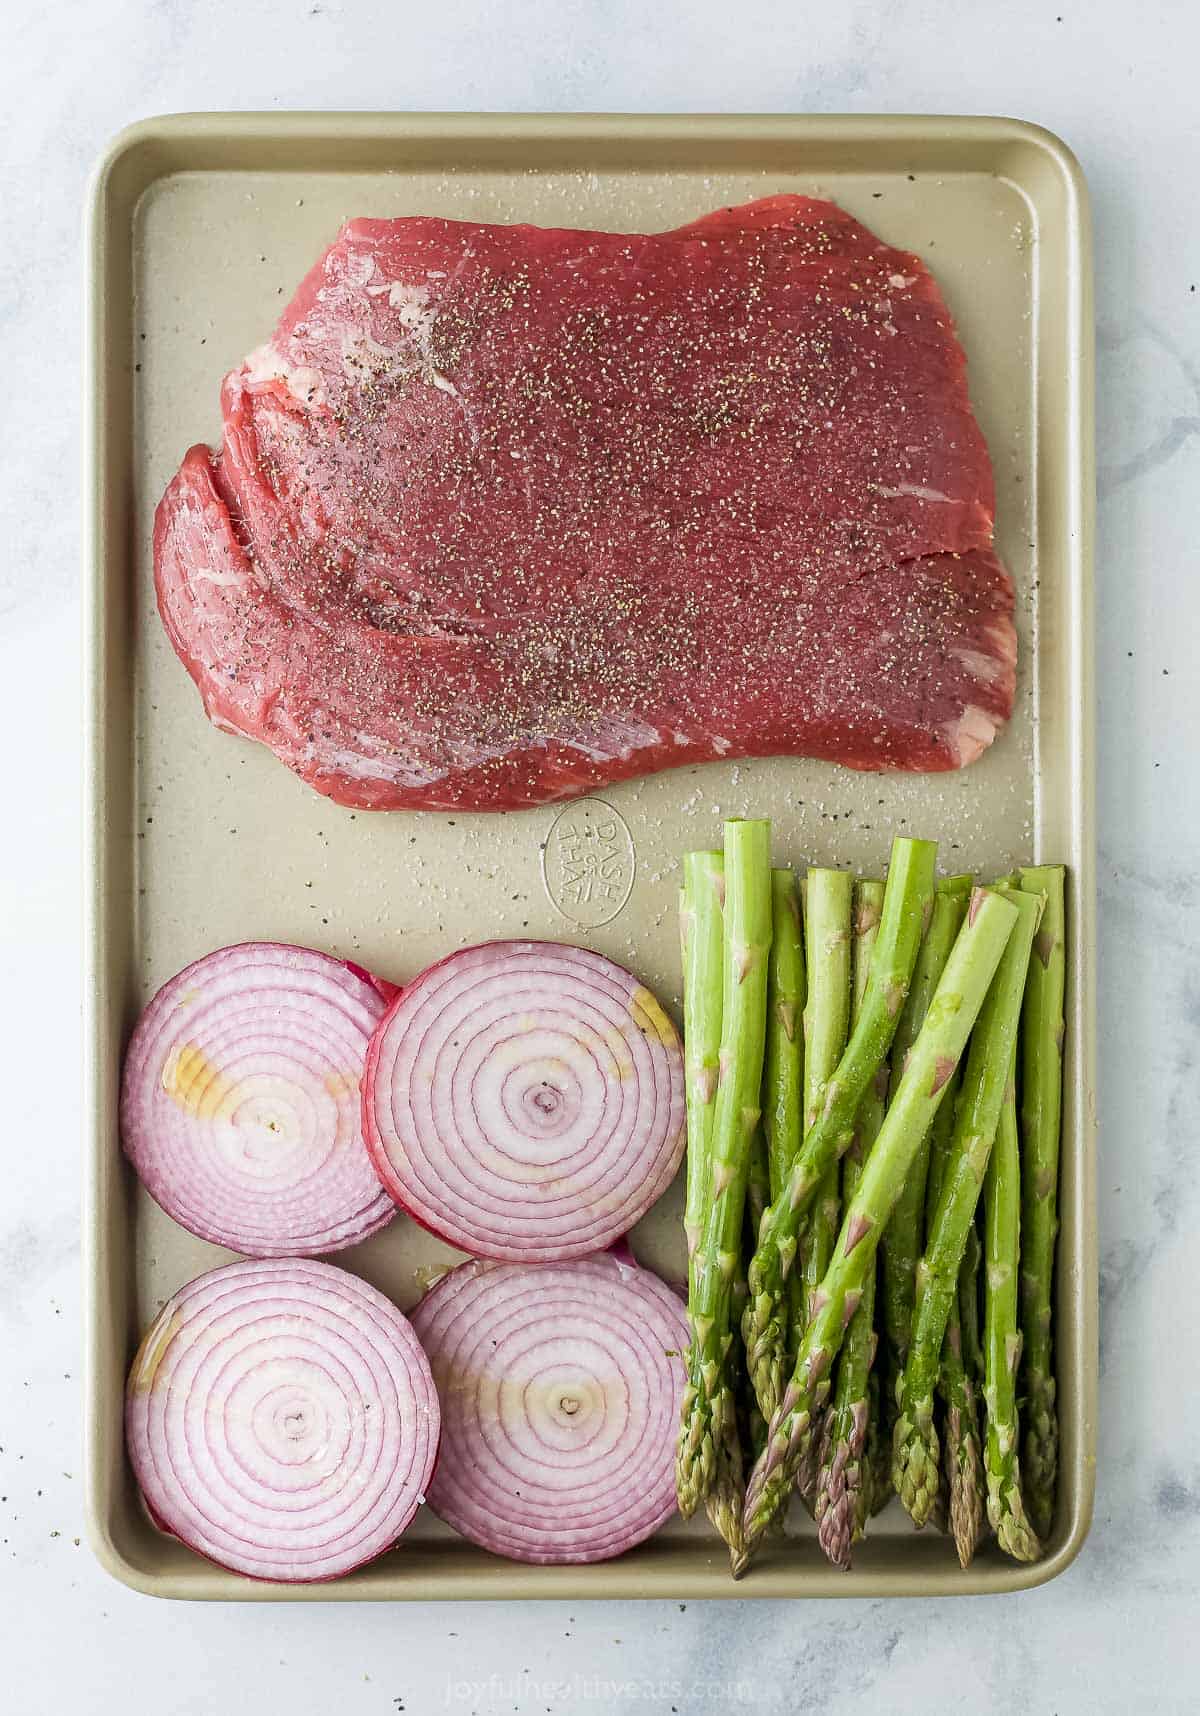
[841, 1498]
[1001, 1338]
[744, 1432]
[701, 930]
[958, 1385]
[709, 1415]
[916, 1461]
[962, 1478]
[828, 934]
[948, 1024]
[778, 1138]
[782, 1074]
[1042, 1029]
[909, 888]
[901, 1245]
[701, 904]
[968, 1506]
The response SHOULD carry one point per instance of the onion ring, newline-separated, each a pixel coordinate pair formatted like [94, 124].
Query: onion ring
[240, 1103]
[561, 1386]
[525, 1100]
[281, 1419]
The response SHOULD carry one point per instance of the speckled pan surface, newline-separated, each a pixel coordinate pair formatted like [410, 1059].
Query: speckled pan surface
[200, 226]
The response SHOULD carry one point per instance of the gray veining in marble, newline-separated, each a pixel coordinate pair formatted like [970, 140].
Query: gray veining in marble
[1116, 1633]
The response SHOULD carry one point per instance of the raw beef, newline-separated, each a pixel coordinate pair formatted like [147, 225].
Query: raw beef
[504, 514]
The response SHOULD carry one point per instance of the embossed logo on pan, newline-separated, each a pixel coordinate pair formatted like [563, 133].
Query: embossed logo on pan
[588, 862]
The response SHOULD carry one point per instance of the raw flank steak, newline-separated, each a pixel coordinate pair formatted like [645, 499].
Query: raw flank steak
[502, 515]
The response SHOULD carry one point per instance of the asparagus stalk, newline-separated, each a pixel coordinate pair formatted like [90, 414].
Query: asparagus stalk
[783, 1077]
[701, 930]
[949, 1021]
[1001, 1337]
[828, 932]
[782, 1074]
[916, 1462]
[962, 1484]
[709, 1414]
[875, 1487]
[960, 1493]
[842, 1503]
[901, 1245]
[701, 906]
[1042, 1029]
[724, 1502]
[963, 1395]
[909, 888]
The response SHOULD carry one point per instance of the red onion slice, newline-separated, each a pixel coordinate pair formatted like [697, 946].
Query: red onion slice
[241, 1106]
[281, 1419]
[561, 1386]
[524, 1100]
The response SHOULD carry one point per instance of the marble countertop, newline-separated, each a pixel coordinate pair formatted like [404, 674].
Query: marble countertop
[1118, 83]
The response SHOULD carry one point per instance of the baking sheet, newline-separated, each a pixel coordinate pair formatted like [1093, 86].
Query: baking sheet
[200, 228]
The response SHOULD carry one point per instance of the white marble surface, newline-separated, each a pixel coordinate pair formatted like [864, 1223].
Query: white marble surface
[1118, 1631]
